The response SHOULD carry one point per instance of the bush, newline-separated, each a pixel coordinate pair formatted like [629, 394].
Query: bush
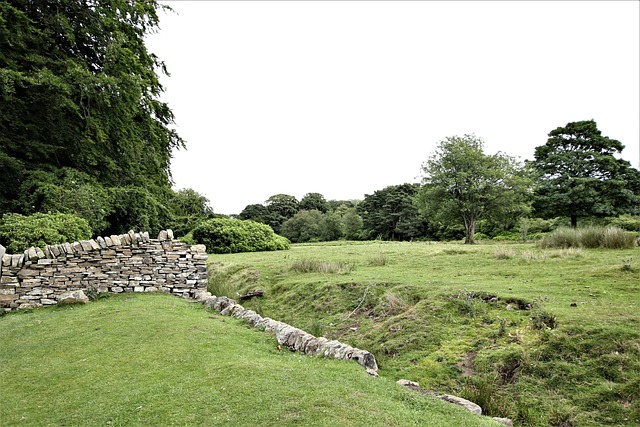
[627, 222]
[508, 236]
[19, 232]
[228, 235]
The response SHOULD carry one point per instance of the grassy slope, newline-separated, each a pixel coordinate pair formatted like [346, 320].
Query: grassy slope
[428, 314]
[152, 359]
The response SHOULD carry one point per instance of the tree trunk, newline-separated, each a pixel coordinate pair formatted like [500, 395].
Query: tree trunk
[574, 221]
[470, 230]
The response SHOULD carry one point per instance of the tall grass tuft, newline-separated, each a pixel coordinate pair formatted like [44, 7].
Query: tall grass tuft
[562, 237]
[378, 260]
[589, 237]
[504, 253]
[307, 265]
[616, 238]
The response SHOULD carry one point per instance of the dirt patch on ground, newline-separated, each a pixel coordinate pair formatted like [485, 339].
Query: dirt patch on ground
[466, 366]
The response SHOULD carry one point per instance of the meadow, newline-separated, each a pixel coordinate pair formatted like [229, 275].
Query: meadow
[159, 360]
[542, 336]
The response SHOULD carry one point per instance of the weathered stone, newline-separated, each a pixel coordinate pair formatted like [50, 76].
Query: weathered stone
[31, 254]
[73, 297]
[101, 242]
[199, 248]
[117, 289]
[40, 253]
[169, 234]
[94, 245]
[466, 404]
[116, 240]
[2, 252]
[407, 383]
[162, 236]
[17, 260]
[505, 421]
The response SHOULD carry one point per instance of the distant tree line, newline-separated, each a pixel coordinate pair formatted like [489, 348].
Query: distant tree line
[467, 193]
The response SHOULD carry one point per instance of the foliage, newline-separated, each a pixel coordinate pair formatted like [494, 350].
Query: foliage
[255, 212]
[19, 232]
[229, 235]
[67, 190]
[188, 208]
[280, 207]
[79, 105]
[462, 183]
[578, 175]
[304, 226]
[351, 224]
[391, 214]
[313, 201]
[626, 222]
[136, 208]
[589, 237]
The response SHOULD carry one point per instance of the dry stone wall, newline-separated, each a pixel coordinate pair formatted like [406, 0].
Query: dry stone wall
[130, 262]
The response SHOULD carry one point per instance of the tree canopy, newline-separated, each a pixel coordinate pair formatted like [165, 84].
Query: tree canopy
[79, 93]
[391, 213]
[578, 175]
[463, 184]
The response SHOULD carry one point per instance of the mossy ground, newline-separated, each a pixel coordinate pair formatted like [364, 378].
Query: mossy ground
[543, 336]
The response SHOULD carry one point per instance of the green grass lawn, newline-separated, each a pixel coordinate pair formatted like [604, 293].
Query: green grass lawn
[157, 360]
[543, 336]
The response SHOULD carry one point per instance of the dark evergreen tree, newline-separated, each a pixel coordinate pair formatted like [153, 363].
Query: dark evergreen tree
[578, 175]
[392, 214]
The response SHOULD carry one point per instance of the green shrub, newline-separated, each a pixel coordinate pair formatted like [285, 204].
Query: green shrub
[627, 222]
[229, 235]
[19, 232]
[507, 236]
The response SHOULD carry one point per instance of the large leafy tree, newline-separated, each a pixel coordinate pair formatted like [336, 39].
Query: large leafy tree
[312, 201]
[462, 184]
[392, 214]
[579, 175]
[79, 90]
[280, 207]
[188, 208]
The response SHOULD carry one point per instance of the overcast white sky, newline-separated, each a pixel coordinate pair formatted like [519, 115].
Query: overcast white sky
[346, 98]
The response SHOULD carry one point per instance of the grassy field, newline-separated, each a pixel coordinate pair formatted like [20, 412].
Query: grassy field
[157, 360]
[543, 336]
